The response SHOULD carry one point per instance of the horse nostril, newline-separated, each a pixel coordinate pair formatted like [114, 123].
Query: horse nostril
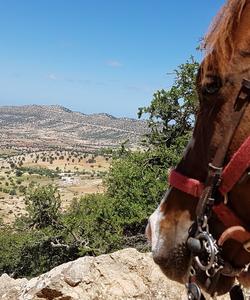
[159, 259]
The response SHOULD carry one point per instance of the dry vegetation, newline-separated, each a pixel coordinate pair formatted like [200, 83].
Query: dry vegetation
[74, 173]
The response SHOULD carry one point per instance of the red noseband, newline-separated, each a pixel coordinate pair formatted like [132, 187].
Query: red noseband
[185, 184]
[231, 174]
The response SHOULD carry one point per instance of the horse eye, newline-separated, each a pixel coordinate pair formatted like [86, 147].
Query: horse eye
[212, 86]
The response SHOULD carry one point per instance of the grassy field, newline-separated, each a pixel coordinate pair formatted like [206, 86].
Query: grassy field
[75, 174]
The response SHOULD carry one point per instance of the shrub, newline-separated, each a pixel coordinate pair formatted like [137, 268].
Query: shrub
[12, 192]
[19, 173]
[43, 206]
[31, 252]
[95, 222]
[39, 171]
[22, 189]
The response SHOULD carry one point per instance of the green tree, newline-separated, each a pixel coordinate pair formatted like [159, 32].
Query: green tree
[93, 224]
[137, 181]
[31, 252]
[43, 206]
[19, 173]
[171, 113]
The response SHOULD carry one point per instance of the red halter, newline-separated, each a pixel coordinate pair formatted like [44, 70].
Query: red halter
[231, 174]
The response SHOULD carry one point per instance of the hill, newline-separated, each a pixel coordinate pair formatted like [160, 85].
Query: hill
[54, 126]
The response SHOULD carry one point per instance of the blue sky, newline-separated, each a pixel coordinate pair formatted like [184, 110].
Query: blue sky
[96, 56]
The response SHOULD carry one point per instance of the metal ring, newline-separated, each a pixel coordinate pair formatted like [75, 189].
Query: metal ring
[205, 236]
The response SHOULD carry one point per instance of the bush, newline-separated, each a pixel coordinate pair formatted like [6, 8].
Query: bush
[22, 189]
[19, 173]
[95, 223]
[12, 192]
[39, 171]
[31, 252]
[43, 206]
[137, 180]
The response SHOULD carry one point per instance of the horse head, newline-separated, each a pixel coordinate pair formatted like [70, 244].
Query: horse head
[219, 80]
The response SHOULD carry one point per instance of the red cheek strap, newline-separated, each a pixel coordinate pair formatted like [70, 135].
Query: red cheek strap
[236, 167]
[231, 174]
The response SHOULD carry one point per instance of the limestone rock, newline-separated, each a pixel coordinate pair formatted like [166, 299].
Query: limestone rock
[125, 274]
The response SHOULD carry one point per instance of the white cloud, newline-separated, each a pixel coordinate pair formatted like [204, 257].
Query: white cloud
[52, 76]
[114, 63]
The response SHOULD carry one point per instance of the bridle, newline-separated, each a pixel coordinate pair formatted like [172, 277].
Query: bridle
[205, 250]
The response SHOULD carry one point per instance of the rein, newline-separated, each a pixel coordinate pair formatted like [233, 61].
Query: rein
[205, 250]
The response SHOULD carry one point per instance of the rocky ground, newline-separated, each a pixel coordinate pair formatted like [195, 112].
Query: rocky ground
[126, 274]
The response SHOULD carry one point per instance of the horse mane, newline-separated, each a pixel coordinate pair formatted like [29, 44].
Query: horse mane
[219, 40]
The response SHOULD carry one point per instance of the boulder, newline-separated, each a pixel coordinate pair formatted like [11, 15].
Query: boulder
[125, 274]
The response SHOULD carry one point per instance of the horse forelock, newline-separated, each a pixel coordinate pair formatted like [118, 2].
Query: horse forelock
[219, 43]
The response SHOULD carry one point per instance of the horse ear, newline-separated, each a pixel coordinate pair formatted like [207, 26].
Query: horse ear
[242, 33]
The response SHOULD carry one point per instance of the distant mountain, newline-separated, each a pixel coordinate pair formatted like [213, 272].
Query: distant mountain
[49, 126]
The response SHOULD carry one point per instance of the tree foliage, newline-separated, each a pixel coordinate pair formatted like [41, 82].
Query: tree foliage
[171, 112]
[31, 252]
[94, 223]
[43, 206]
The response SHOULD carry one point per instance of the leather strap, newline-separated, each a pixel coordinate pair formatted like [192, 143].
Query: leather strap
[237, 166]
[231, 174]
[185, 184]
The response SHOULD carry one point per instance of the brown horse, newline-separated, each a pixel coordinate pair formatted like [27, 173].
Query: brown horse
[219, 81]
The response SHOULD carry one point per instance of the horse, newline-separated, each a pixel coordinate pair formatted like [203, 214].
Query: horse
[199, 233]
